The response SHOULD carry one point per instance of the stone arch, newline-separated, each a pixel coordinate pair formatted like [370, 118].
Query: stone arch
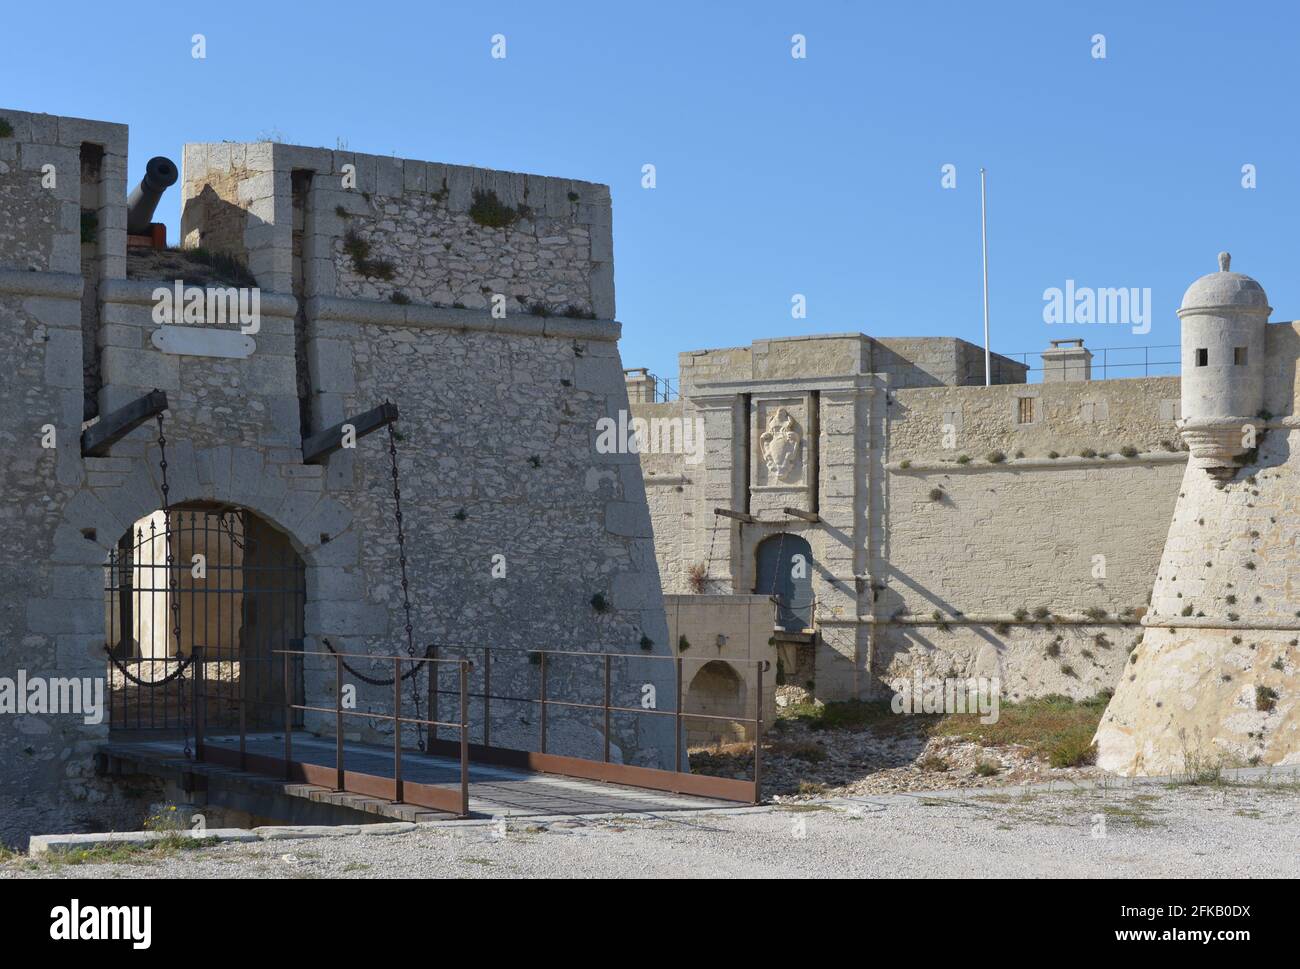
[716, 690]
[235, 595]
[70, 608]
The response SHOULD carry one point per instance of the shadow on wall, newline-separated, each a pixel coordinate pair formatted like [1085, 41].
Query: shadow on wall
[1283, 345]
[221, 225]
[889, 604]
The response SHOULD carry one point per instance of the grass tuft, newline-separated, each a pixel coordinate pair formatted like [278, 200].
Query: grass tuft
[1054, 727]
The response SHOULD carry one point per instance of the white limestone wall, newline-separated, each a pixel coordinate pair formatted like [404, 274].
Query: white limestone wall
[1216, 680]
[1224, 626]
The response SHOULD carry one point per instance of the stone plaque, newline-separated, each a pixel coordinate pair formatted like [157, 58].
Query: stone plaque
[201, 341]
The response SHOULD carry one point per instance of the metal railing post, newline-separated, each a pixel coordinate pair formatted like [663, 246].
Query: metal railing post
[543, 746]
[607, 708]
[487, 696]
[397, 730]
[677, 720]
[758, 734]
[434, 686]
[338, 722]
[243, 715]
[200, 701]
[288, 720]
[464, 738]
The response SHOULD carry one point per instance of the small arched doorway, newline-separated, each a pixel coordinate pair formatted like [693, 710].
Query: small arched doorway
[716, 690]
[784, 571]
[235, 591]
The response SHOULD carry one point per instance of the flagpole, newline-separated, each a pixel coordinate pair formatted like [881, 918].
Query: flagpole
[984, 238]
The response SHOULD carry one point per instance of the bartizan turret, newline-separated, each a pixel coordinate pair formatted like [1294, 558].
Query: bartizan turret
[1223, 315]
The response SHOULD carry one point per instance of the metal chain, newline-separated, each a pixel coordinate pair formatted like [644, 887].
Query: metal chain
[150, 684]
[372, 680]
[708, 562]
[172, 585]
[406, 589]
[780, 563]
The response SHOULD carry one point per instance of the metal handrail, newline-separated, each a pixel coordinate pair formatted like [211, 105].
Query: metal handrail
[340, 774]
[543, 700]
[1146, 363]
[464, 666]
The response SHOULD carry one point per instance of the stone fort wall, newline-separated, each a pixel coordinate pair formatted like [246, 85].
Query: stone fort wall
[498, 423]
[1009, 510]
[994, 529]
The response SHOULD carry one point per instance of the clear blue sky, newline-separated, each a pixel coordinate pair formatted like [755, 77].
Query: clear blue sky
[775, 176]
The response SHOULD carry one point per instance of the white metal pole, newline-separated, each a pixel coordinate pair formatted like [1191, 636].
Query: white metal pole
[984, 238]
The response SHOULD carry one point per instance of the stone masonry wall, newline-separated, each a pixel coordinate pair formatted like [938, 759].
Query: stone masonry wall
[979, 540]
[1104, 416]
[443, 257]
[513, 521]
[51, 565]
[380, 227]
[1011, 527]
[1216, 680]
[498, 419]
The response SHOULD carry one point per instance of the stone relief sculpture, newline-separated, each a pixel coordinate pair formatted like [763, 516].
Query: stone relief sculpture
[781, 443]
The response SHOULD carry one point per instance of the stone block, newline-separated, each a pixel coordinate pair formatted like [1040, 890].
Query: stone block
[56, 616]
[602, 290]
[389, 178]
[626, 518]
[331, 365]
[600, 375]
[602, 244]
[414, 174]
[146, 369]
[63, 359]
[347, 618]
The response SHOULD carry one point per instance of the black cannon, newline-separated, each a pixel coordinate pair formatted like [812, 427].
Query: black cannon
[159, 175]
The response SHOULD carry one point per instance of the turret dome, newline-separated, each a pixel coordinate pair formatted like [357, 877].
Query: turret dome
[1225, 290]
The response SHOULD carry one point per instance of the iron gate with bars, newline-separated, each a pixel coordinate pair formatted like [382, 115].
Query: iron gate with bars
[236, 590]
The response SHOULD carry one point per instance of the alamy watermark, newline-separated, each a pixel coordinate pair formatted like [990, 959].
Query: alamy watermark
[656, 435]
[75, 922]
[1082, 304]
[80, 696]
[212, 307]
[973, 694]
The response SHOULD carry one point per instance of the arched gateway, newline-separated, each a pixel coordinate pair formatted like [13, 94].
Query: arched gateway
[207, 578]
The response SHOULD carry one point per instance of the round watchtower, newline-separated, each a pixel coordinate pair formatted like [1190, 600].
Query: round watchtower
[1223, 316]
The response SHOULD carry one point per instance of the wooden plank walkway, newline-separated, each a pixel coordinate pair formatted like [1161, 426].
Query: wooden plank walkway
[494, 791]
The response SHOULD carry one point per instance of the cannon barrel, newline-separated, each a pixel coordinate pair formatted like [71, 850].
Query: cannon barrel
[159, 175]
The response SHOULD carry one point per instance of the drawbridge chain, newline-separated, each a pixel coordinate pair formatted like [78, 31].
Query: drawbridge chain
[373, 680]
[173, 586]
[406, 589]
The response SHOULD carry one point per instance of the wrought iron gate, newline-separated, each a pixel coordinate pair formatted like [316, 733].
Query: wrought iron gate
[235, 589]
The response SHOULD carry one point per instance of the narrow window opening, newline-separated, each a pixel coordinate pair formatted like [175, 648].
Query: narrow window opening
[1202, 357]
[1239, 356]
[1025, 410]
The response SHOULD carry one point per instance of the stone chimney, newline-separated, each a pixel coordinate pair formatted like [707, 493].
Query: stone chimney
[1066, 360]
[641, 386]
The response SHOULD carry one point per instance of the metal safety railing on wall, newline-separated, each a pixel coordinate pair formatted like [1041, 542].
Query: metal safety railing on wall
[597, 699]
[339, 778]
[1154, 360]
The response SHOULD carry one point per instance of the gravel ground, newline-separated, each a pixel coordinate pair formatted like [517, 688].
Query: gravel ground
[1152, 831]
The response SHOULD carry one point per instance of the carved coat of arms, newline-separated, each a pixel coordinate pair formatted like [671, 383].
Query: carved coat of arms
[780, 444]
